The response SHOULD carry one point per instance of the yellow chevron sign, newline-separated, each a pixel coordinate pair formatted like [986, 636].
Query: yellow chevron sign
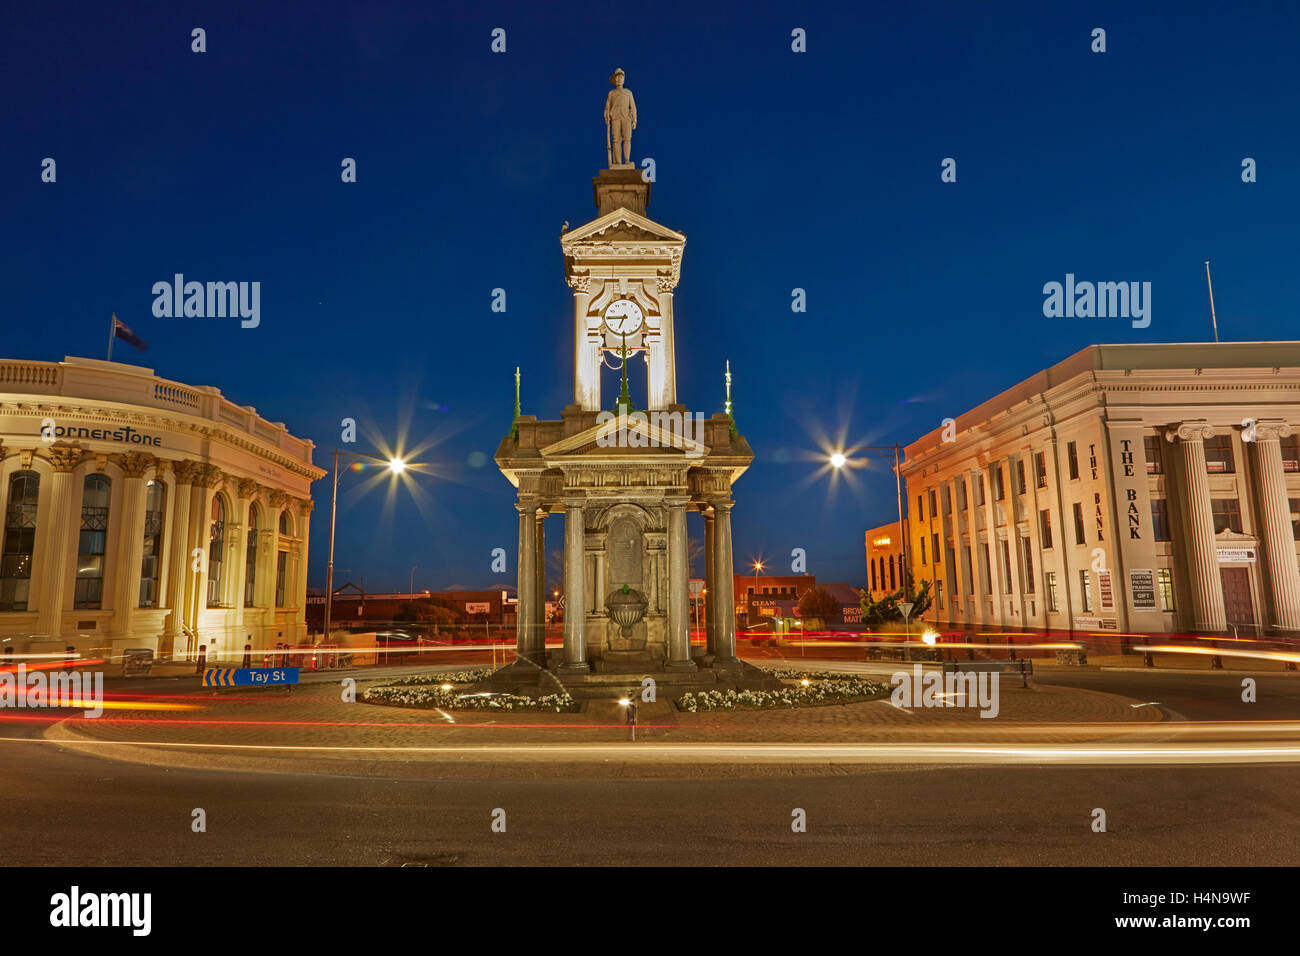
[219, 677]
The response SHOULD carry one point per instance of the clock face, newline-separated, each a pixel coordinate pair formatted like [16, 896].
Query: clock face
[623, 317]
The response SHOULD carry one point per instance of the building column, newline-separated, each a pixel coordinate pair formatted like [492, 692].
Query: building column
[539, 608]
[1275, 510]
[710, 585]
[300, 582]
[55, 542]
[586, 354]
[130, 545]
[679, 589]
[575, 579]
[725, 620]
[1203, 559]
[206, 479]
[601, 610]
[178, 554]
[246, 490]
[525, 615]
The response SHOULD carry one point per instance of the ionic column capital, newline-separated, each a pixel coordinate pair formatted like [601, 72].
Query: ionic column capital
[1198, 430]
[1272, 429]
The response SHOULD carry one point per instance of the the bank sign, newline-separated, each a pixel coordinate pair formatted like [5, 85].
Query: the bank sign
[50, 432]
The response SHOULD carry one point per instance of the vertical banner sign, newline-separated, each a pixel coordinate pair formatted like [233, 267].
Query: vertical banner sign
[1107, 590]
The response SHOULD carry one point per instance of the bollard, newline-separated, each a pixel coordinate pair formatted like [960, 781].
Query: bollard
[203, 658]
[248, 656]
[1148, 659]
[631, 715]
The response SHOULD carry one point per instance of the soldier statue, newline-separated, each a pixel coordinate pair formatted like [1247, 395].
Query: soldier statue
[620, 120]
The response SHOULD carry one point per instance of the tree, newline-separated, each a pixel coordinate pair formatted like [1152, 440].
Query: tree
[429, 611]
[818, 605]
[877, 613]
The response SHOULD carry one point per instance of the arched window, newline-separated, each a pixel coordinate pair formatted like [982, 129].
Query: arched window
[215, 549]
[92, 543]
[19, 541]
[155, 497]
[284, 523]
[892, 585]
[873, 575]
[250, 557]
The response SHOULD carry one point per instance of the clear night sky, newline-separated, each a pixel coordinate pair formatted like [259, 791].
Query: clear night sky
[817, 170]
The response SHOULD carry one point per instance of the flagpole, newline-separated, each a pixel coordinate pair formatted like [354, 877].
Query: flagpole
[112, 334]
[1210, 284]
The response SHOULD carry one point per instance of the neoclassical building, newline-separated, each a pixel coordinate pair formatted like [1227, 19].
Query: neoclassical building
[141, 512]
[1128, 488]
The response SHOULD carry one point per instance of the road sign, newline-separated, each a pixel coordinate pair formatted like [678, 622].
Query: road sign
[249, 676]
[906, 609]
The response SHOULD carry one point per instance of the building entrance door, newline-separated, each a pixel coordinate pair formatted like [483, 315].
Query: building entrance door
[1237, 604]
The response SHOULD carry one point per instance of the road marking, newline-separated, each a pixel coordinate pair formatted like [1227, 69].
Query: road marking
[446, 716]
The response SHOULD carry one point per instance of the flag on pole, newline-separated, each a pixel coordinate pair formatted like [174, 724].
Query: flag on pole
[121, 331]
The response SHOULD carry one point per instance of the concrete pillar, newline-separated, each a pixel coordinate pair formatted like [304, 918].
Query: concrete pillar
[710, 586]
[245, 489]
[539, 608]
[130, 544]
[178, 557]
[725, 620]
[669, 347]
[586, 354]
[679, 590]
[1275, 511]
[1203, 560]
[527, 587]
[56, 541]
[206, 479]
[575, 537]
[299, 619]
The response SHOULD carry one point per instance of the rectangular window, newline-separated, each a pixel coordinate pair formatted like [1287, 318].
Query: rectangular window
[1165, 581]
[1295, 517]
[1029, 565]
[934, 505]
[1155, 455]
[934, 547]
[1020, 476]
[1159, 519]
[966, 567]
[1040, 469]
[1049, 580]
[920, 507]
[1045, 527]
[961, 494]
[19, 541]
[986, 571]
[1080, 537]
[1006, 567]
[1291, 453]
[1072, 453]
[280, 562]
[1085, 592]
[998, 488]
[981, 489]
[92, 543]
[1227, 514]
[1218, 455]
[923, 561]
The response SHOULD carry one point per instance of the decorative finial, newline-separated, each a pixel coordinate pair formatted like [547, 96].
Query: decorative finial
[514, 429]
[728, 404]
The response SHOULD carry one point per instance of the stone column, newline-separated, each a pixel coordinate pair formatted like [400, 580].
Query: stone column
[586, 355]
[56, 542]
[1203, 560]
[300, 582]
[206, 480]
[245, 490]
[1275, 511]
[669, 348]
[130, 545]
[525, 610]
[575, 537]
[710, 586]
[679, 589]
[725, 619]
[539, 616]
[178, 554]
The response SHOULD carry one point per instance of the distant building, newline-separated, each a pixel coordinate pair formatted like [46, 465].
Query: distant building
[884, 560]
[1128, 488]
[355, 609]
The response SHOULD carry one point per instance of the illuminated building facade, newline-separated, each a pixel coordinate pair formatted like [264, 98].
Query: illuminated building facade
[1129, 488]
[884, 560]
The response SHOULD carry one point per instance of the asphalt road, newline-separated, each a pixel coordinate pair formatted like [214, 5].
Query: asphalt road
[71, 809]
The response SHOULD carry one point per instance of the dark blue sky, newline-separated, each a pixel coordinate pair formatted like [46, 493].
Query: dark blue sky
[817, 170]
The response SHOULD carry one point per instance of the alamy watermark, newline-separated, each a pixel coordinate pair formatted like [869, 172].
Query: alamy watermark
[1101, 300]
[215, 300]
[75, 689]
[932, 689]
[653, 430]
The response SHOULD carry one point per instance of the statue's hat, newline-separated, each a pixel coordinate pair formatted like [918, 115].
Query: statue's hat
[617, 72]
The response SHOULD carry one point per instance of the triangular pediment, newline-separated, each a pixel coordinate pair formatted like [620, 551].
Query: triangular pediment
[620, 225]
[634, 435]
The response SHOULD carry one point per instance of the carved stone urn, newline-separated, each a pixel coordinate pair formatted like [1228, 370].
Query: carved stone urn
[626, 606]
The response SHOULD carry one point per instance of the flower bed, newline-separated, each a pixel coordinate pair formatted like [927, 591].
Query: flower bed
[824, 688]
[456, 677]
[435, 697]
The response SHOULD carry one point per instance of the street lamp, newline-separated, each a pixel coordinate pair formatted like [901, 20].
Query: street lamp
[396, 466]
[758, 566]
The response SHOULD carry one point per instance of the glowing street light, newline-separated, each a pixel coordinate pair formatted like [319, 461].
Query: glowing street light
[396, 466]
[838, 460]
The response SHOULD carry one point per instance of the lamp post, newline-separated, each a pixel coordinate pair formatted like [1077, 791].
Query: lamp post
[758, 566]
[839, 459]
[412, 588]
[396, 466]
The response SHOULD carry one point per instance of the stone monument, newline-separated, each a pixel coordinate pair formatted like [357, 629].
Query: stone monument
[625, 480]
